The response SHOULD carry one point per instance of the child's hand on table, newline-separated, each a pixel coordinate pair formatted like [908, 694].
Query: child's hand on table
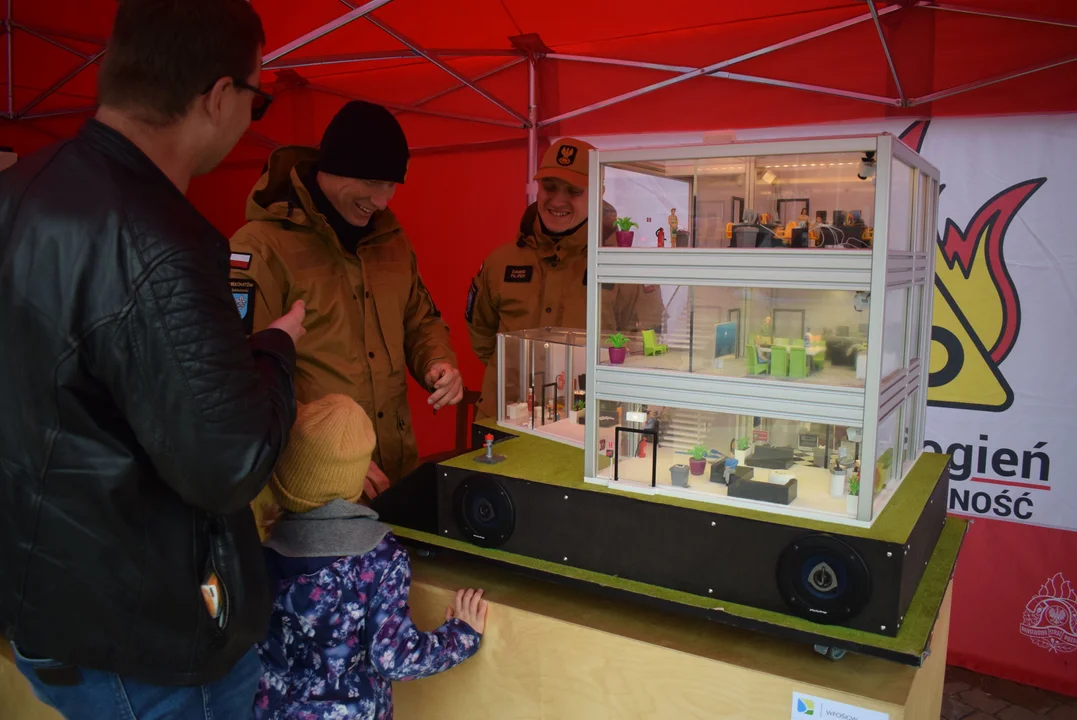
[469, 607]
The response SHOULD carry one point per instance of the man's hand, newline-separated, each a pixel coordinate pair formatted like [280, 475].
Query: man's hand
[446, 385]
[292, 323]
[376, 481]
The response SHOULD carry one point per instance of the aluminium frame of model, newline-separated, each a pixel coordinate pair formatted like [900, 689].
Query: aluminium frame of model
[875, 271]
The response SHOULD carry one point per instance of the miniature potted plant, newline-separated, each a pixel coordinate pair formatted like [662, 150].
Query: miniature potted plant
[618, 349]
[698, 463]
[741, 453]
[679, 475]
[624, 231]
[853, 498]
[574, 413]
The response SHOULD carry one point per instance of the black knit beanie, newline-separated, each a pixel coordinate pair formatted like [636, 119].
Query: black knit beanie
[365, 141]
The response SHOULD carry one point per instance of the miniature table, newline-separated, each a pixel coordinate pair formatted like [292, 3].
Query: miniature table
[555, 652]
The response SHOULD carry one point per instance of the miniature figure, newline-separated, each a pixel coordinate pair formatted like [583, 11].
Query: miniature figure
[488, 458]
[672, 224]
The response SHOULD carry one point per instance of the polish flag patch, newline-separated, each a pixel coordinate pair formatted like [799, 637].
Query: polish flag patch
[240, 261]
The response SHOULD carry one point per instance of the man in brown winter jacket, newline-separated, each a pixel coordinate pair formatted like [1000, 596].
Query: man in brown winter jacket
[319, 230]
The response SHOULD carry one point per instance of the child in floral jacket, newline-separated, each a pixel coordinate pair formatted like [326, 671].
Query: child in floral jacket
[341, 630]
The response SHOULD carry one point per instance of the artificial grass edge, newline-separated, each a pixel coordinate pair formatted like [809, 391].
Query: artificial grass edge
[537, 459]
[912, 639]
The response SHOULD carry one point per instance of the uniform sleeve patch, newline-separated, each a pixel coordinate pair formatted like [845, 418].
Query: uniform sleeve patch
[239, 261]
[469, 311]
[519, 273]
[243, 294]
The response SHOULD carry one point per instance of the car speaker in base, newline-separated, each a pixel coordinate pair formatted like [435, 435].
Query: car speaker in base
[823, 579]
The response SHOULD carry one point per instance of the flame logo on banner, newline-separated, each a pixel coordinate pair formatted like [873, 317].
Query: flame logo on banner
[977, 310]
[1050, 618]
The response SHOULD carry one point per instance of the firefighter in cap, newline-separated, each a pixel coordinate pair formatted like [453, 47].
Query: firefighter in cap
[319, 230]
[540, 280]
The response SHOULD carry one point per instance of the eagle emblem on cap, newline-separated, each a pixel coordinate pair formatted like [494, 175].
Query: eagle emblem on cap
[566, 155]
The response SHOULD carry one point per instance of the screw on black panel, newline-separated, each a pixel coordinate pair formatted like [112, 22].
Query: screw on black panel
[889, 554]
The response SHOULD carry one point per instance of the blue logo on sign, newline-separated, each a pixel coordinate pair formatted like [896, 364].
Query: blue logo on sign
[241, 303]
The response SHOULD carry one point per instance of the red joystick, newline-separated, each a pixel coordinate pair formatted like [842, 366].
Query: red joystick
[489, 437]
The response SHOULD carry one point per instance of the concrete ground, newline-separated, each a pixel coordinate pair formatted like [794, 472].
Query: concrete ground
[968, 696]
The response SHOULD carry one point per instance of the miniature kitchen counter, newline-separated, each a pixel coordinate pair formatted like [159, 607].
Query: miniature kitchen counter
[554, 652]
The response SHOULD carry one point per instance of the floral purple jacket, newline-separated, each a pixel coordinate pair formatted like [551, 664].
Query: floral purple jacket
[341, 632]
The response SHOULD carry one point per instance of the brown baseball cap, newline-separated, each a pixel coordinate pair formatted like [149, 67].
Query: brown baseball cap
[567, 160]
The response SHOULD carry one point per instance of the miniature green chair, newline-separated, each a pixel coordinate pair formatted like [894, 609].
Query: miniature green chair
[755, 367]
[779, 361]
[817, 361]
[798, 362]
[651, 346]
[781, 341]
[798, 342]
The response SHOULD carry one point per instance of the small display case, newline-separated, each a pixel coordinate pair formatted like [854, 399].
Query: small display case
[789, 370]
[542, 381]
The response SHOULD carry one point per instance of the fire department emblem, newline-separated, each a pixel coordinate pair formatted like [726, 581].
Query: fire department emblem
[1050, 618]
[566, 155]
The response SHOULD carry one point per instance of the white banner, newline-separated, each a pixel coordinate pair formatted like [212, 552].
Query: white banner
[1004, 352]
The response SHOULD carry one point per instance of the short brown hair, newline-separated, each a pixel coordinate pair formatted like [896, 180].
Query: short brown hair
[165, 53]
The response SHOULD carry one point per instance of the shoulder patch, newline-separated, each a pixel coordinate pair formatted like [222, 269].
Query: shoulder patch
[519, 273]
[469, 309]
[239, 261]
[243, 294]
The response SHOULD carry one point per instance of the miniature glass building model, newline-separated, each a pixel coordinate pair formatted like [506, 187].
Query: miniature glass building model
[790, 369]
[541, 383]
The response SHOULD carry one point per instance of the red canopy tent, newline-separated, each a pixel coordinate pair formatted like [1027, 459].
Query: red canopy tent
[482, 85]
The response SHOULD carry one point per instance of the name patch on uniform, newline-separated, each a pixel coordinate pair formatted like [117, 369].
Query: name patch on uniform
[519, 273]
[243, 294]
[240, 261]
[470, 308]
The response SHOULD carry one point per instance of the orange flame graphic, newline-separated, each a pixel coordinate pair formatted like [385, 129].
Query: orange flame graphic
[977, 309]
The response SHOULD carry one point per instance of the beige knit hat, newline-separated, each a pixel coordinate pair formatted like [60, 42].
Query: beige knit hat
[327, 456]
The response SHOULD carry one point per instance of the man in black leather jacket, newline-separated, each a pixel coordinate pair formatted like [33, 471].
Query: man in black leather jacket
[137, 421]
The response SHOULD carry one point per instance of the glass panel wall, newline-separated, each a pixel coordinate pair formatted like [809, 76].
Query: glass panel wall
[716, 456]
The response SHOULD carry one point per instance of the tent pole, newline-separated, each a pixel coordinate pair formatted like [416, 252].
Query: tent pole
[990, 81]
[460, 86]
[722, 75]
[10, 69]
[58, 112]
[532, 133]
[886, 51]
[998, 15]
[414, 47]
[51, 41]
[835, 92]
[60, 83]
[699, 72]
[412, 108]
[361, 11]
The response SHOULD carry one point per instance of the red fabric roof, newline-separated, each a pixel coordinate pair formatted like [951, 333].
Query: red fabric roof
[933, 50]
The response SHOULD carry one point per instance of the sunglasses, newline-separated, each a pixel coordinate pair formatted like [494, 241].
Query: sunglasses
[262, 99]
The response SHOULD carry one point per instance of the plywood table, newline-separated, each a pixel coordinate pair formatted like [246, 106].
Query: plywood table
[557, 653]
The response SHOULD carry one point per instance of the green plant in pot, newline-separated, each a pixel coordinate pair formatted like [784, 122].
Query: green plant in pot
[698, 462]
[853, 498]
[741, 452]
[624, 227]
[618, 348]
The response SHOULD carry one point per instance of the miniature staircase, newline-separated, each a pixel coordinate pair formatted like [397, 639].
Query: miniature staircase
[677, 334]
[683, 430]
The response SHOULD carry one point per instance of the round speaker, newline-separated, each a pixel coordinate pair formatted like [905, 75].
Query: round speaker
[823, 579]
[484, 511]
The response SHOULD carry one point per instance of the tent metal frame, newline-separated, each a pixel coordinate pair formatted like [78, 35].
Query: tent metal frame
[531, 122]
